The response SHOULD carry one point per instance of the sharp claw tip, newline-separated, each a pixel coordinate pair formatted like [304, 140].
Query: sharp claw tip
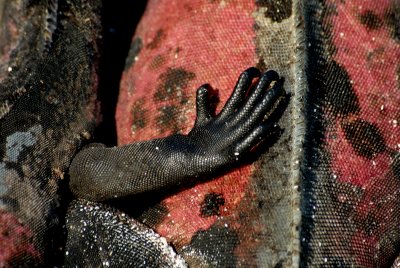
[203, 89]
[252, 71]
[273, 75]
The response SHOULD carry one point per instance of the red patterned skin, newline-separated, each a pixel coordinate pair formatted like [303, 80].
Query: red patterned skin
[365, 46]
[13, 241]
[171, 47]
[362, 144]
[370, 57]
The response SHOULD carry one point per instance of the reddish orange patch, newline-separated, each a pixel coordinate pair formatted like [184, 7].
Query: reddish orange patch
[370, 55]
[15, 240]
[371, 58]
[200, 38]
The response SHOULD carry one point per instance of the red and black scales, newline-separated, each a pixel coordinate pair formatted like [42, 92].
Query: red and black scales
[325, 194]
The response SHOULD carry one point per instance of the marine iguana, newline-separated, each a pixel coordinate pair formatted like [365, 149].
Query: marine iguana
[325, 194]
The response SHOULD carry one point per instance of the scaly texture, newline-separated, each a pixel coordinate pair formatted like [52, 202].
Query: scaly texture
[323, 195]
[344, 107]
[215, 144]
[351, 169]
[249, 215]
[47, 108]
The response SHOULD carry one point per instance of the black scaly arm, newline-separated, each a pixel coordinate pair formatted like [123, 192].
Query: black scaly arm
[101, 236]
[213, 145]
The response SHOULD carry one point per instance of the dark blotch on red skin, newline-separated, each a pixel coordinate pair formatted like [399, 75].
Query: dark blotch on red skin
[168, 119]
[172, 81]
[224, 241]
[364, 137]
[389, 244]
[392, 19]
[157, 62]
[370, 20]
[340, 95]
[171, 90]
[350, 193]
[156, 42]
[369, 224]
[276, 10]
[395, 166]
[211, 205]
[134, 50]
[139, 115]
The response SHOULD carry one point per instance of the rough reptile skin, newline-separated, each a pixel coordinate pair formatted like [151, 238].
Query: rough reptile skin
[324, 194]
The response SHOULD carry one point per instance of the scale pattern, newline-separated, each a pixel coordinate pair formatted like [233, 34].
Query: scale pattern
[340, 61]
[351, 168]
[247, 214]
[47, 109]
[323, 195]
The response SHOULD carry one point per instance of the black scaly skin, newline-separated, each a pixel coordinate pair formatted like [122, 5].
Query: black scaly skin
[48, 108]
[214, 144]
[99, 236]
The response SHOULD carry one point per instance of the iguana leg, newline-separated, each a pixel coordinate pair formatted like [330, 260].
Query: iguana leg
[213, 145]
[100, 236]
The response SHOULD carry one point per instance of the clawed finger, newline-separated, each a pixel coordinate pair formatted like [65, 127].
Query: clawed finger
[266, 103]
[255, 137]
[239, 93]
[202, 106]
[253, 122]
[257, 94]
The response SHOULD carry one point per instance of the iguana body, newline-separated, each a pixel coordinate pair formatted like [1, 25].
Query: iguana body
[337, 57]
[302, 203]
[48, 107]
